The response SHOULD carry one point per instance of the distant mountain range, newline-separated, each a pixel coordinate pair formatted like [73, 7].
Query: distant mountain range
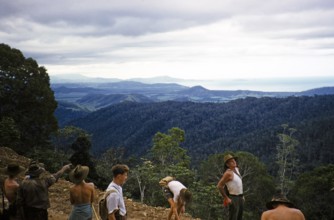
[107, 93]
[128, 113]
[291, 84]
[76, 100]
[78, 95]
[77, 78]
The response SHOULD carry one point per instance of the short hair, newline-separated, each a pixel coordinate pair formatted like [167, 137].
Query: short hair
[186, 195]
[119, 169]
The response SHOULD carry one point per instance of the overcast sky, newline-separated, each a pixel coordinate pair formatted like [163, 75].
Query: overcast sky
[191, 39]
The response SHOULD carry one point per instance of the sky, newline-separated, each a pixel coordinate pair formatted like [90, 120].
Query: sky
[213, 40]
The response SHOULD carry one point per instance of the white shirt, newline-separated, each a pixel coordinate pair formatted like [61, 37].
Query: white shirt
[115, 200]
[235, 185]
[175, 187]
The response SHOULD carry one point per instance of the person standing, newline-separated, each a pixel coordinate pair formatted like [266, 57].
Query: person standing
[33, 197]
[115, 201]
[280, 208]
[82, 194]
[233, 193]
[177, 196]
[11, 186]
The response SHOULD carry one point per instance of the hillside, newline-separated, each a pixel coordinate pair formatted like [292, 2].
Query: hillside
[250, 124]
[59, 195]
[92, 96]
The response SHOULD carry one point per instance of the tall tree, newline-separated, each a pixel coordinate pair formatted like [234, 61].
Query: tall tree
[286, 159]
[63, 138]
[26, 97]
[166, 148]
[207, 203]
[10, 135]
[81, 155]
[166, 158]
[258, 185]
[143, 175]
[214, 163]
[106, 161]
[312, 193]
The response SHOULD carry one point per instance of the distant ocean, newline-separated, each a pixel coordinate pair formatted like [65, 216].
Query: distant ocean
[256, 84]
[266, 84]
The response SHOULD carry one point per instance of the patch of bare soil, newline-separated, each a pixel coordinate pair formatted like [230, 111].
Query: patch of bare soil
[60, 197]
[61, 207]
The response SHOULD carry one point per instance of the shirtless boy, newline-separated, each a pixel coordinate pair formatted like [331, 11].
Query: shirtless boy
[81, 194]
[280, 208]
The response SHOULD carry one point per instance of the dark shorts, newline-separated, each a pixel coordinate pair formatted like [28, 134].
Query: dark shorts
[167, 193]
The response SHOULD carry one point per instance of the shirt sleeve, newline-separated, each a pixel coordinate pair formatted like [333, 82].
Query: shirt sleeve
[112, 202]
[50, 180]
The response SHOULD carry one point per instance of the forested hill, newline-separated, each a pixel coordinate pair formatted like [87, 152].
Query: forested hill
[250, 124]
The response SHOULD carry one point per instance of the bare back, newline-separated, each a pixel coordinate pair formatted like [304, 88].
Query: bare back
[283, 213]
[11, 187]
[82, 193]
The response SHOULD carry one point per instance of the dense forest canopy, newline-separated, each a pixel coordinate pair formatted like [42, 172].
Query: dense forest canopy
[249, 124]
[27, 102]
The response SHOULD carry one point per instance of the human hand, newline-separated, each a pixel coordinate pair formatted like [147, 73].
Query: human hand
[67, 167]
[227, 201]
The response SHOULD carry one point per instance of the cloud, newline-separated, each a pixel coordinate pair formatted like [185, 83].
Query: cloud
[140, 17]
[149, 37]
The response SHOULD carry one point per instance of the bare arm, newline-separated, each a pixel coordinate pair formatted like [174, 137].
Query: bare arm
[93, 194]
[228, 175]
[61, 171]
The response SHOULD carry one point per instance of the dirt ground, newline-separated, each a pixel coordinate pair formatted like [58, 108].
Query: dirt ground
[60, 205]
[59, 196]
